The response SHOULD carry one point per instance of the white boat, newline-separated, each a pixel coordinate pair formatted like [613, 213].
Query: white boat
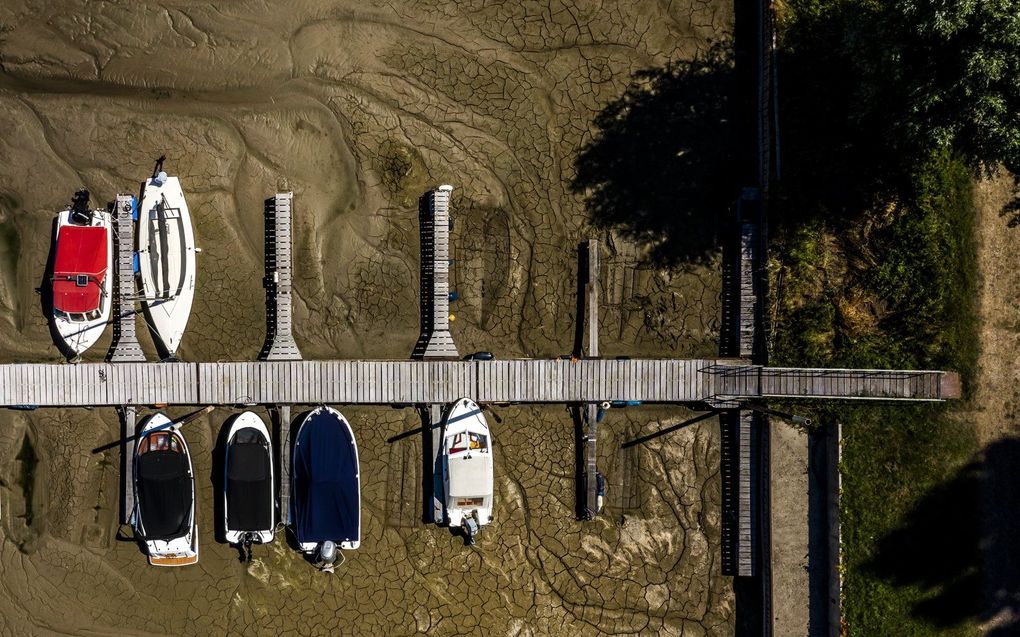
[249, 501]
[325, 486]
[467, 468]
[82, 274]
[164, 514]
[166, 258]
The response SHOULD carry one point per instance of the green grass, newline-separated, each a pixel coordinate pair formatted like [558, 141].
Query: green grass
[909, 542]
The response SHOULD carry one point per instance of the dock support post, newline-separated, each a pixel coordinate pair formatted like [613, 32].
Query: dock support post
[125, 347]
[127, 466]
[592, 409]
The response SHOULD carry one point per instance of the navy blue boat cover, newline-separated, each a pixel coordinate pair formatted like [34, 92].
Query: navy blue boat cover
[327, 498]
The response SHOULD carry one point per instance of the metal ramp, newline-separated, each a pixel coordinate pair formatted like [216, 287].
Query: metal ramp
[280, 344]
[435, 340]
[125, 347]
[736, 382]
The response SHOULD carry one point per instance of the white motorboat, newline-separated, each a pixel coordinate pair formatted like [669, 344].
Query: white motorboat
[467, 468]
[164, 514]
[82, 274]
[166, 258]
[249, 501]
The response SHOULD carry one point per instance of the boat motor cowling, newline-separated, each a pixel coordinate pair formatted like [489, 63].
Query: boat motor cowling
[80, 212]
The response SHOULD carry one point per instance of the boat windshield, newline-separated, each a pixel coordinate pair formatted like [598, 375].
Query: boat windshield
[159, 441]
[469, 441]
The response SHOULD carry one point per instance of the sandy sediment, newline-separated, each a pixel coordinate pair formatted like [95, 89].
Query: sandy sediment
[357, 108]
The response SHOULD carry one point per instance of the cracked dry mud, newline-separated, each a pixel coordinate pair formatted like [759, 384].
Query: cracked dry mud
[358, 107]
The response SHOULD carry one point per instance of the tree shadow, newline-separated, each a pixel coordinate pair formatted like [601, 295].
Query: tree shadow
[660, 168]
[961, 546]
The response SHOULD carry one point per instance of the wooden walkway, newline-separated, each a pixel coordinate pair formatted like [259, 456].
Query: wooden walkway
[125, 347]
[280, 344]
[434, 216]
[750, 381]
[749, 301]
[717, 382]
[738, 454]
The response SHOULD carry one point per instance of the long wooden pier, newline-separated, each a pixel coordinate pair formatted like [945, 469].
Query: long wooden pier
[715, 382]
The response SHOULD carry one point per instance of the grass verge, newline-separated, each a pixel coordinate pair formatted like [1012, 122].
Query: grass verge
[895, 288]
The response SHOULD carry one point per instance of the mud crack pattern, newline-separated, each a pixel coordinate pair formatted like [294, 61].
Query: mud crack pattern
[358, 107]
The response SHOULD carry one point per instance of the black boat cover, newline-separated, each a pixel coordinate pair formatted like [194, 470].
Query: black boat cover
[327, 497]
[164, 494]
[249, 482]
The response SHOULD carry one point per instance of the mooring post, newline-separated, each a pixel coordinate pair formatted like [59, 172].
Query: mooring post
[592, 290]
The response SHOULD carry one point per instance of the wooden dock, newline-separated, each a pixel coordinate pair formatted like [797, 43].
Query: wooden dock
[435, 340]
[128, 423]
[280, 344]
[738, 451]
[591, 411]
[672, 381]
[125, 347]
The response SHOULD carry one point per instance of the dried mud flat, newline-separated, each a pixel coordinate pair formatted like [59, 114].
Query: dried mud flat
[357, 108]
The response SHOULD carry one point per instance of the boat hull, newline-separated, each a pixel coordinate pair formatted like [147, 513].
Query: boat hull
[166, 260]
[79, 336]
[177, 551]
[248, 423]
[343, 479]
[466, 475]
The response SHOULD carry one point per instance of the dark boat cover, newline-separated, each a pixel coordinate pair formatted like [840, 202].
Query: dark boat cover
[327, 498]
[164, 494]
[249, 482]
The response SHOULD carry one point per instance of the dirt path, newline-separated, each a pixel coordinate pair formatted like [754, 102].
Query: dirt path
[995, 404]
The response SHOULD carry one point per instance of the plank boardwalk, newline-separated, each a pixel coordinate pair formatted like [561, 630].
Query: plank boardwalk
[434, 216]
[748, 296]
[125, 347]
[428, 382]
[279, 343]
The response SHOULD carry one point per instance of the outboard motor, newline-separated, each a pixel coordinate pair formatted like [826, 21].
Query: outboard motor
[246, 541]
[470, 525]
[326, 556]
[80, 212]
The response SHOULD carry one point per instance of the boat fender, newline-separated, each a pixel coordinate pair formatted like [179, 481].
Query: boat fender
[626, 403]
[600, 490]
[600, 415]
[159, 179]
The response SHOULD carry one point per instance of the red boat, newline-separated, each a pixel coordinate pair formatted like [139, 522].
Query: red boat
[82, 278]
